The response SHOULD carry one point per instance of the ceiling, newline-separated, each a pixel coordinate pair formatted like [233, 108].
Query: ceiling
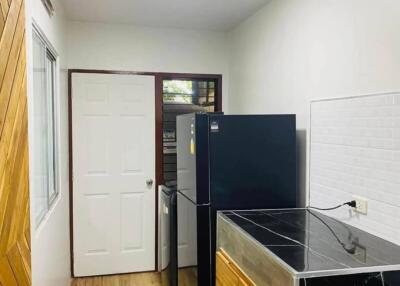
[219, 15]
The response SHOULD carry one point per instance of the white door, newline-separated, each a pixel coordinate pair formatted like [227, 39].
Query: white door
[113, 130]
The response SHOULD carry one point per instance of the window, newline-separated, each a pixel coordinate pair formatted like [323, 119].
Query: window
[198, 93]
[45, 188]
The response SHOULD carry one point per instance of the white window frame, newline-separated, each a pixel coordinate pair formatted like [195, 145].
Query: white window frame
[52, 72]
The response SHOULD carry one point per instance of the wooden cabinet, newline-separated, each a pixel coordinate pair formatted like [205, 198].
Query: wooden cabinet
[229, 273]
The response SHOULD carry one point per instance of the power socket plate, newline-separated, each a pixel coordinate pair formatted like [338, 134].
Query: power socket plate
[361, 205]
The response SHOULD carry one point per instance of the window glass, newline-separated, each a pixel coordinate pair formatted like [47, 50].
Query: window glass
[50, 76]
[43, 165]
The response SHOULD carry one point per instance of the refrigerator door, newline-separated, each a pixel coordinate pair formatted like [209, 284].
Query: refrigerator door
[193, 157]
[253, 161]
[186, 155]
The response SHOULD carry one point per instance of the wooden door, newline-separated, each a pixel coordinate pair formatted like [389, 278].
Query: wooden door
[113, 133]
[15, 254]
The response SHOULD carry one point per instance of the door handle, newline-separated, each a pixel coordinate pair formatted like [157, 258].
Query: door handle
[149, 183]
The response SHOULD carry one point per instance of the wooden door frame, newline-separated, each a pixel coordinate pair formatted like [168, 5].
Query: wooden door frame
[159, 180]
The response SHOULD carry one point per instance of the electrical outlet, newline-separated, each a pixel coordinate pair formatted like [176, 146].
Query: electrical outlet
[361, 205]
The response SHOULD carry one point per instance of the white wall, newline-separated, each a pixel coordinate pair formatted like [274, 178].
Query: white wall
[133, 48]
[114, 47]
[354, 150]
[50, 241]
[292, 51]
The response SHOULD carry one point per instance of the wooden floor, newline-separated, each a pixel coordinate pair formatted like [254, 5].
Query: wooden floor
[15, 249]
[140, 279]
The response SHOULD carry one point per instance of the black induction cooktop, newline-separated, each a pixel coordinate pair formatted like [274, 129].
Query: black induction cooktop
[311, 244]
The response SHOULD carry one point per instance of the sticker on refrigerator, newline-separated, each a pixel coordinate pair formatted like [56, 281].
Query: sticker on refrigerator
[214, 126]
[192, 146]
[192, 128]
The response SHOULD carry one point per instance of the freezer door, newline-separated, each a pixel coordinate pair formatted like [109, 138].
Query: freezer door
[194, 248]
[187, 241]
[253, 161]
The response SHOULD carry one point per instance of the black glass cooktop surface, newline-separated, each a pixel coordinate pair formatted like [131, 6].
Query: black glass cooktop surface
[309, 241]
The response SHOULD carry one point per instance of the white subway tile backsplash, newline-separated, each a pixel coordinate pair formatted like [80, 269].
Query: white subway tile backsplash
[355, 150]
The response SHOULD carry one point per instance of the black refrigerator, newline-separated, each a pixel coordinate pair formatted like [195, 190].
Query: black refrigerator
[227, 162]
